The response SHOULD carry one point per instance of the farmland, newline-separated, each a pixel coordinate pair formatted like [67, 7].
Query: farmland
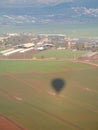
[60, 54]
[28, 97]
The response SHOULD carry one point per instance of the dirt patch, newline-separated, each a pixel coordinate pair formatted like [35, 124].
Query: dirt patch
[89, 57]
[8, 124]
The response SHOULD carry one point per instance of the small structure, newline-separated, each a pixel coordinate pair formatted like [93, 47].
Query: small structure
[28, 45]
[40, 48]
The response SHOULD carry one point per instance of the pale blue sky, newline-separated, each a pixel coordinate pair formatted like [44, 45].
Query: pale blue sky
[47, 2]
[32, 1]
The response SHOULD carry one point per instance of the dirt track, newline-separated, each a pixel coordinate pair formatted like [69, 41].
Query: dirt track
[89, 63]
[8, 124]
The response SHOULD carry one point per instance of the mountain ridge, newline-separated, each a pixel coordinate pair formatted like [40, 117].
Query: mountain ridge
[75, 11]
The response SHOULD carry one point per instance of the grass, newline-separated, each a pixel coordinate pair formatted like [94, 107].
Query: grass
[60, 54]
[74, 108]
[24, 66]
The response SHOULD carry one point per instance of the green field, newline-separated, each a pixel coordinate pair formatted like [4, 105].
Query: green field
[26, 95]
[60, 54]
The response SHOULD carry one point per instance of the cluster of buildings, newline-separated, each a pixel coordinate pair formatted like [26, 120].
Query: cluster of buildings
[28, 41]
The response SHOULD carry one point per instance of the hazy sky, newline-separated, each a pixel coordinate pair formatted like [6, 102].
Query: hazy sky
[6, 3]
[32, 1]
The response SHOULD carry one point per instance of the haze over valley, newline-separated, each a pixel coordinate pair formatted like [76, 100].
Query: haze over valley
[72, 17]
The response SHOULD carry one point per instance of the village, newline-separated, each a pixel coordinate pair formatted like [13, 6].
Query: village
[26, 44]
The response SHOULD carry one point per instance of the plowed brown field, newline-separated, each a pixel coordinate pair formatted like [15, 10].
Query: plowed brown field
[8, 124]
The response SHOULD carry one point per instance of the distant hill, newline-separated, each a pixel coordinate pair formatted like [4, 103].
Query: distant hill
[75, 11]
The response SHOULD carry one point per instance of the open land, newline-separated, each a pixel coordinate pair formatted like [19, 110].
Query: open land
[46, 54]
[28, 98]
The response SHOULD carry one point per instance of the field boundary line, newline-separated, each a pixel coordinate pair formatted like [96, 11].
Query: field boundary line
[85, 62]
[74, 61]
[69, 123]
[12, 122]
[56, 117]
[59, 118]
[70, 100]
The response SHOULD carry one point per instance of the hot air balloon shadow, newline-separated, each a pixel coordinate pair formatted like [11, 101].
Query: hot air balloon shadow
[58, 84]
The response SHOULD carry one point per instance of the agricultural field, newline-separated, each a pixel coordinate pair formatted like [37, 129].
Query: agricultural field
[60, 54]
[52, 54]
[30, 100]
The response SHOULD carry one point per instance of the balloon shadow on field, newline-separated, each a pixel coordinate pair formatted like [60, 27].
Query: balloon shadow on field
[58, 84]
